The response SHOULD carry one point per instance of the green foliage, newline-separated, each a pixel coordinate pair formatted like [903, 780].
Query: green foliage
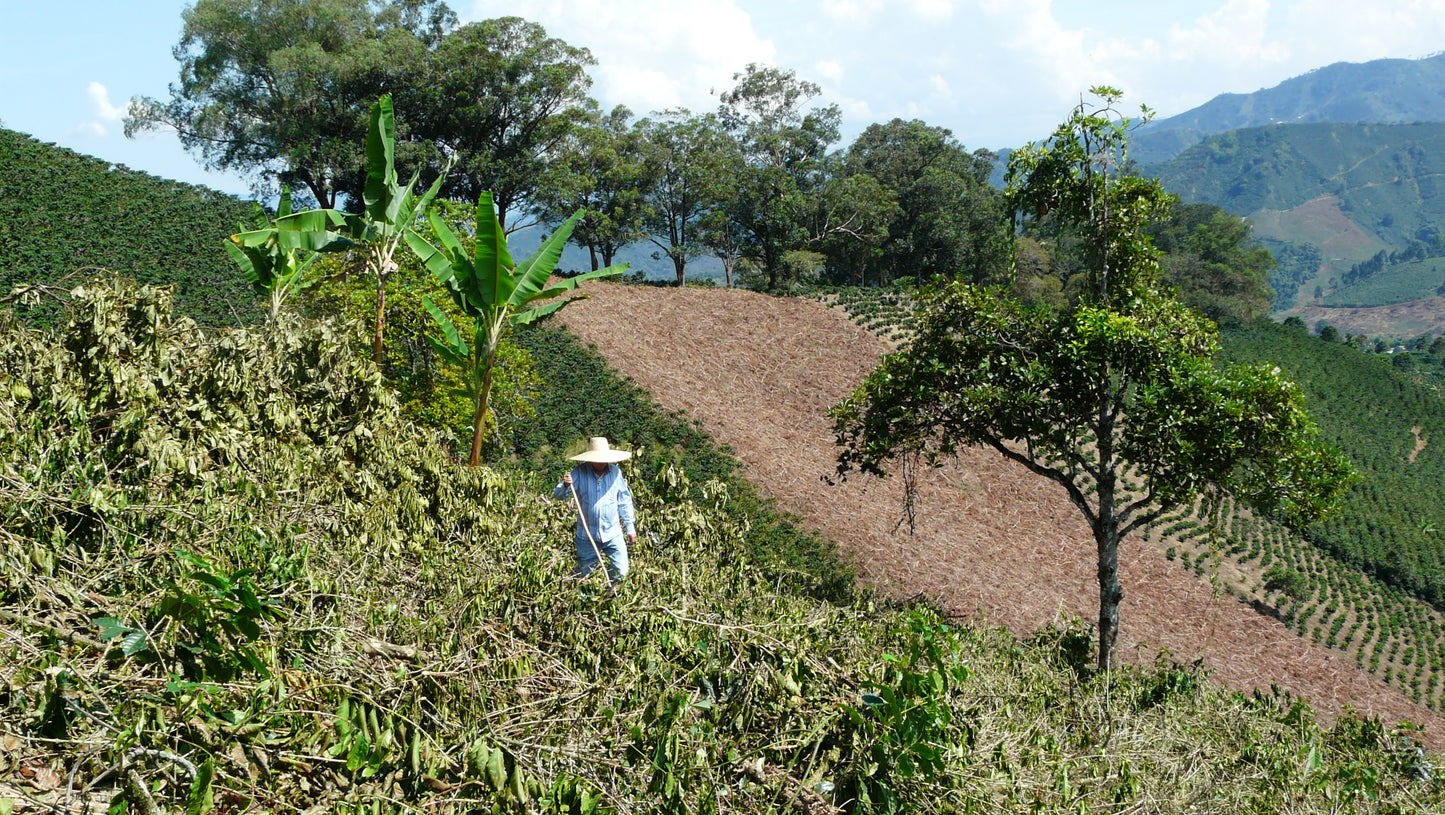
[949, 221]
[693, 167]
[275, 255]
[1212, 262]
[783, 148]
[601, 172]
[1115, 399]
[267, 85]
[1368, 408]
[500, 96]
[408, 666]
[61, 212]
[496, 294]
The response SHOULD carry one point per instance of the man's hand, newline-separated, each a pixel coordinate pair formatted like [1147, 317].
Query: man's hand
[631, 538]
[567, 478]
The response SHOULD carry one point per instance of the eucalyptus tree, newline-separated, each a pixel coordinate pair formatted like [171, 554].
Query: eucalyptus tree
[693, 172]
[280, 88]
[600, 170]
[783, 144]
[1117, 398]
[500, 97]
[496, 293]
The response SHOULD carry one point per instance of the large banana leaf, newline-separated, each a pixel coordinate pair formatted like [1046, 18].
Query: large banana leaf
[379, 195]
[493, 262]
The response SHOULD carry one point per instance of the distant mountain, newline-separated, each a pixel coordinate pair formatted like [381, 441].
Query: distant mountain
[1329, 199]
[1383, 91]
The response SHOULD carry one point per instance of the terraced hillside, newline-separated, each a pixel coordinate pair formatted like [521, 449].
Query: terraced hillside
[993, 542]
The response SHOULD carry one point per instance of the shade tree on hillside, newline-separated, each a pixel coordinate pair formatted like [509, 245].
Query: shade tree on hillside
[949, 220]
[602, 170]
[1116, 397]
[693, 171]
[1214, 264]
[501, 97]
[281, 90]
[784, 143]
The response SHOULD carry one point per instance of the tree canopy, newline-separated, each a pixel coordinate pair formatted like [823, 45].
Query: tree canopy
[949, 220]
[1116, 398]
[282, 89]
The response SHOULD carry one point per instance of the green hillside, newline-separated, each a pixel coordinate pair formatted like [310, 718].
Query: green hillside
[1384, 91]
[61, 211]
[1402, 282]
[1366, 406]
[1338, 193]
[259, 589]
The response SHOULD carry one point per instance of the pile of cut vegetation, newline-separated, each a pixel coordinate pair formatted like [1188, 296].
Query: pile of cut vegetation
[234, 579]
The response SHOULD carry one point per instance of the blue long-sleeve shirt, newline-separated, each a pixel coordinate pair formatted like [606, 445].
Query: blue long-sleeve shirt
[606, 502]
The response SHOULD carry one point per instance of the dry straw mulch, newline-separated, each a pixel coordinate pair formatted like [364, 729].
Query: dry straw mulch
[993, 543]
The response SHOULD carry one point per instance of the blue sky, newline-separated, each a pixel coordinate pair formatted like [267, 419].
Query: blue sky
[996, 72]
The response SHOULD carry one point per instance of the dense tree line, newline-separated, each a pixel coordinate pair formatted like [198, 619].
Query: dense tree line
[280, 90]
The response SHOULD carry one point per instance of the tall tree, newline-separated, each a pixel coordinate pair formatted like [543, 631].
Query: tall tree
[500, 96]
[693, 171]
[783, 144]
[1117, 398]
[280, 88]
[950, 221]
[601, 171]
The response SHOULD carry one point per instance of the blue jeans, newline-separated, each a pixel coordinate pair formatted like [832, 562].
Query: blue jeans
[614, 550]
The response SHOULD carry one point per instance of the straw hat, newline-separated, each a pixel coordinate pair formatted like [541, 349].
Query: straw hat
[599, 451]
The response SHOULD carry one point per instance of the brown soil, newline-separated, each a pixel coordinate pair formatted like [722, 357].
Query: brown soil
[1420, 444]
[993, 542]
[1398, 320]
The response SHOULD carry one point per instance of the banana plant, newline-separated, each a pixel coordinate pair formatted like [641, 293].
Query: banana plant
[496, 293]
[275, 255]
[389, 209]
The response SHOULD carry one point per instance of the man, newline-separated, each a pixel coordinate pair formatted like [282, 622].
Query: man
[605, 521]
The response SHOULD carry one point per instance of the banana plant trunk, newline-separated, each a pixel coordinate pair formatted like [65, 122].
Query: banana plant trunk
[479, 418]
[376, 342]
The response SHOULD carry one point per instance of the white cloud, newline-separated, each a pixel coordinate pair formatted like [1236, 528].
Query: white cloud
[940, 87]
[936, 10]
[1326, 31]
[849, 12]
[651, 54]
[830, 69]
[105, 113]
[91, 130]
[1236, 32]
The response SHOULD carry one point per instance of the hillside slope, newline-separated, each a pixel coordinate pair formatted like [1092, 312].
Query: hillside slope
[992, 542]
[61, 211]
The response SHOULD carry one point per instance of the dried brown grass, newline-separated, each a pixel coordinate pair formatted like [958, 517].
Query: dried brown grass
[994, 543]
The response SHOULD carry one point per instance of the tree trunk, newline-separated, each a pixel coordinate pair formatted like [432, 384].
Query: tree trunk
[1110, 592]
[1106, 527]
[592, 254]
[479, 418]
[679, 265]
